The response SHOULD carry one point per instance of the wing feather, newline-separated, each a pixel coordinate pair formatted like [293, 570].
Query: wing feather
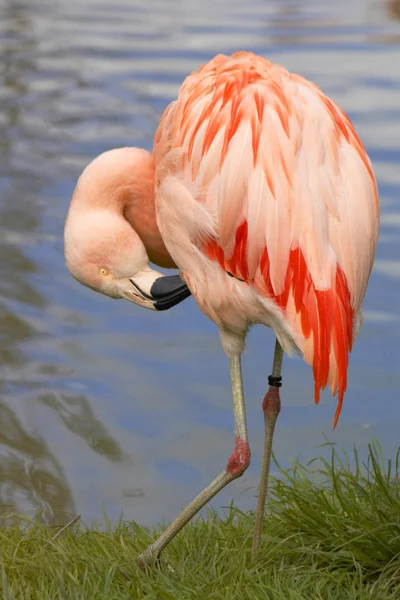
[293, 194]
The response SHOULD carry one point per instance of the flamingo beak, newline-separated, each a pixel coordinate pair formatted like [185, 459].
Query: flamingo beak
[168, 291]
[155, 291]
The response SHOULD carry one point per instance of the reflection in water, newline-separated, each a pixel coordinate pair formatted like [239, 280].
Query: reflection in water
[77, 416]
[30, 475]
[103, 402]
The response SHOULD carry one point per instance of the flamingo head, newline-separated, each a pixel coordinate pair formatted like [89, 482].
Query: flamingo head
[105, 253]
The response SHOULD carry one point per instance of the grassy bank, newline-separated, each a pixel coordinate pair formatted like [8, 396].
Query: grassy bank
[330, 532]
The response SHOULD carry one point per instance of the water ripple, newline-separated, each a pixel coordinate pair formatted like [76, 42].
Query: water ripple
[101, 402]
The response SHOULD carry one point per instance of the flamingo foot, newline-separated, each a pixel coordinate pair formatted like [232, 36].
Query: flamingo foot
[151, 559]
[148, 559]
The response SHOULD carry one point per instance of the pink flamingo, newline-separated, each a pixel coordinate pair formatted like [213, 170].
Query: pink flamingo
[260, 191]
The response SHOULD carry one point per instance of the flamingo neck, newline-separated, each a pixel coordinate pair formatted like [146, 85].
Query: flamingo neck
[122, 181]
[140, 211]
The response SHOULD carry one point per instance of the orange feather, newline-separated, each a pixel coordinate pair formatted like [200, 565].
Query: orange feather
[310, 224]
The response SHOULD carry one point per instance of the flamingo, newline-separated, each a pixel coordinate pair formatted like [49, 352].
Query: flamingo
[259, 190]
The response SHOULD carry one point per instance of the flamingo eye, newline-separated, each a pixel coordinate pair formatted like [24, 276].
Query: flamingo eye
[103, 271]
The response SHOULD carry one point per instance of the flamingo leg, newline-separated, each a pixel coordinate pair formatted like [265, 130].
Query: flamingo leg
[271, 407]
[237, 464]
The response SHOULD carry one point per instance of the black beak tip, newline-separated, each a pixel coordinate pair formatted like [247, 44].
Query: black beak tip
[169, 291]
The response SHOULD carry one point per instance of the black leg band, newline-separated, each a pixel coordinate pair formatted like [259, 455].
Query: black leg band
[274, 381]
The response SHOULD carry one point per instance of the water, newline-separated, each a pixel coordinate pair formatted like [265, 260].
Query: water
[100, 401]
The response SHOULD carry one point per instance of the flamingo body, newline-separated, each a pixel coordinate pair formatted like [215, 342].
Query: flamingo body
[262, 194]
[266, 200]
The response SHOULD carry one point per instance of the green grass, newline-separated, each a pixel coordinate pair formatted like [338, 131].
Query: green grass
[331, 532]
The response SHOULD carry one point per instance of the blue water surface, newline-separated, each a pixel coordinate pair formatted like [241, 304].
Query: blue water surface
[101, 402]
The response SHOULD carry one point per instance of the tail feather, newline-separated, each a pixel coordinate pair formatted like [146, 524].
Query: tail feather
[323, 319]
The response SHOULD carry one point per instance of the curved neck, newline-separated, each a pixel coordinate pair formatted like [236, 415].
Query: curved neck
[142, 218]
[122, 181]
